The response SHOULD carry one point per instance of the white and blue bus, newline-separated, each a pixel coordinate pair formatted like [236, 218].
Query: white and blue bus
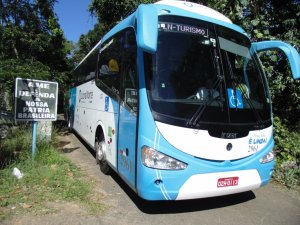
[174, 99]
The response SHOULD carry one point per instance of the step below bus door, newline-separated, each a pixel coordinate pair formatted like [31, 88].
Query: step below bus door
[127, 144]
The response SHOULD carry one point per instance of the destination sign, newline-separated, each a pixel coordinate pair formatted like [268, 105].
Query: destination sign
[183, 28]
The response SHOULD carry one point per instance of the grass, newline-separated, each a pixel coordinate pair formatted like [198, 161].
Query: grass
[50, 177]
[287, 148]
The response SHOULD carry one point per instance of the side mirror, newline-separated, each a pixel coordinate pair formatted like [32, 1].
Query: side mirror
[289, 51]
[147, 31]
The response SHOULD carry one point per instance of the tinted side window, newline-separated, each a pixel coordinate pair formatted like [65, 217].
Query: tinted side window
[109, 66]
[87, 69]
[129, 73]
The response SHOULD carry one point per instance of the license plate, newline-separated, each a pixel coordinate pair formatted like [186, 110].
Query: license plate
[228, 181]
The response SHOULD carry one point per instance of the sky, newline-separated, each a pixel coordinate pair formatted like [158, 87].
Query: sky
[74, 18]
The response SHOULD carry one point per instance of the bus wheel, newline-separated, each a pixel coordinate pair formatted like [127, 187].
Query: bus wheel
[100, 157]
[69, 120]
[69, 125]
[104, 167]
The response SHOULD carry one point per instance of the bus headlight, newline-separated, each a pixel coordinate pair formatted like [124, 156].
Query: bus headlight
[157, 160]
[268, 157]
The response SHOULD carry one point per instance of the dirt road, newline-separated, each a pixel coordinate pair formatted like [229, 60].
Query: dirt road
[273, 204]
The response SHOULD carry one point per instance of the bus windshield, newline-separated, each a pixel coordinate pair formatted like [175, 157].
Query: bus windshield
[203, 73]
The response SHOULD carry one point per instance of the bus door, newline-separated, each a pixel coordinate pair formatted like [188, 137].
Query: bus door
[128, 111]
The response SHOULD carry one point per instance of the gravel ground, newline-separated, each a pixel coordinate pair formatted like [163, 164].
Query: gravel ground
[270, 205]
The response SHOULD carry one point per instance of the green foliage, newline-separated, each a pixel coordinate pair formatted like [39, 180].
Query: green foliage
[13, 68]
[15, 149]
[110, 12]
[31, 31]
[87, 42]
[287, 148]
[51, 177]
[285, 92]
[10, 69]
[48, 179]
[32, 44]
[232, 9]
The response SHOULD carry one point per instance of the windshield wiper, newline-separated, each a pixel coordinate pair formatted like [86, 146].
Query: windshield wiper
[193, 122]
[254, 110]
[235, 84]
[199, 112]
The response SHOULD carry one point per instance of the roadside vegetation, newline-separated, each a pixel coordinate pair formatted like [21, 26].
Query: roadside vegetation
[32, 45]
[287, 149]
[50, 177]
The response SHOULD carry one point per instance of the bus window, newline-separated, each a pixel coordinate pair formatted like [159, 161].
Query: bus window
[87, 69]
[109, 66]
[129, 93]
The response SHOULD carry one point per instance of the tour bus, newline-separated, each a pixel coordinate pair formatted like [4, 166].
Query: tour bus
[174, 99]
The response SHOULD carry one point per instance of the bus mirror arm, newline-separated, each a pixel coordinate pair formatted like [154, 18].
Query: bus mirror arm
[289, 51]
[147, 32]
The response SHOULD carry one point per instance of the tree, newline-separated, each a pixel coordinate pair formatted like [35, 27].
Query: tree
[87, 42]
[31, 30]
[111, 12]
[32, 44]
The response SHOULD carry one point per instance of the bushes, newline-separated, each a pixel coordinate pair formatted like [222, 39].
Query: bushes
[14, 149]
[50, 177]
[287, 148]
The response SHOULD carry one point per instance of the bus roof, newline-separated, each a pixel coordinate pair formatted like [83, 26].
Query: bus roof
[177, 8]
[195, 8]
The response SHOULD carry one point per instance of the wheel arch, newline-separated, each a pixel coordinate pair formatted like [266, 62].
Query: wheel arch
[99, 130]
[100, 133]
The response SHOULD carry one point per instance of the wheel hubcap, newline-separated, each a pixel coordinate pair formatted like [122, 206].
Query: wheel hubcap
[100, 150]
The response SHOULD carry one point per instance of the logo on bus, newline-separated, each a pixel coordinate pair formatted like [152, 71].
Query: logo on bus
[183, 28]
[255, 143]
[106, 103]
[85, 95]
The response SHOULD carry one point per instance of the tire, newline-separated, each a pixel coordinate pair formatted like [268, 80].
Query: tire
[100, 155]
[70, 120]
[70, 129]
[105, 168]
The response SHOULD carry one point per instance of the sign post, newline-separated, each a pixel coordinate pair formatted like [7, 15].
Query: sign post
[35, 100]
[33, 148]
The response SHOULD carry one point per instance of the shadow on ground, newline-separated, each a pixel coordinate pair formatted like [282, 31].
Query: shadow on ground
[183, 206]
[166, 207]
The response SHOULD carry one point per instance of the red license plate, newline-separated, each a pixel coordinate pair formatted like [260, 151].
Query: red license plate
[228, 181]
